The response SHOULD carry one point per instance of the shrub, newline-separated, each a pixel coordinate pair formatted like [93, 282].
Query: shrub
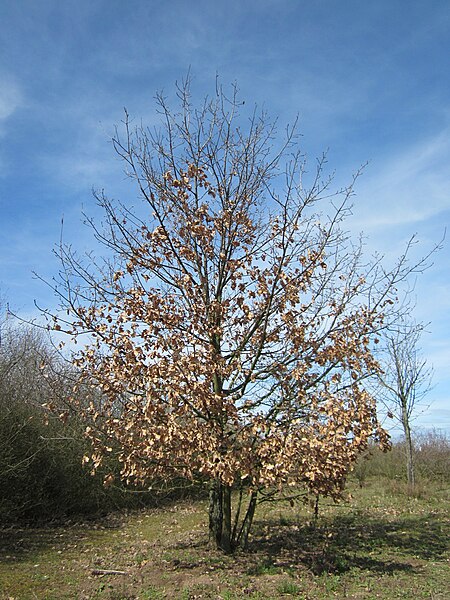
[431, 456]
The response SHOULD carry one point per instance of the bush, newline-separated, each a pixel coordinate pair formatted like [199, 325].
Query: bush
[41, 473]
[431, 460]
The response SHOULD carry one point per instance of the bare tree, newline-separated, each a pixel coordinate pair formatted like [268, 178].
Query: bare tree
[229, 327]
[405, 381]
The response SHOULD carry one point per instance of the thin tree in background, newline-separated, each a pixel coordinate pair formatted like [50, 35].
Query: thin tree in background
[405, 382]
[229, 328]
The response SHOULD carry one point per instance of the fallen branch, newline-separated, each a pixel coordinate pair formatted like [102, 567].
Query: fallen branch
[108, 572]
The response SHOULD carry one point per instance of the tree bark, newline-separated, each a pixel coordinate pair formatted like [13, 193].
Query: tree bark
[215, 513]
[220, 516]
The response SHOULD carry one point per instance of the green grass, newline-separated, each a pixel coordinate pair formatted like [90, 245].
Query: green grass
[381, 544]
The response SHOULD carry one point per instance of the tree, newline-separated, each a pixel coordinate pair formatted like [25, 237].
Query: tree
[230, 325]
[405, 380]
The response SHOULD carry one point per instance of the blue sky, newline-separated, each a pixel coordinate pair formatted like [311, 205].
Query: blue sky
[369, 80]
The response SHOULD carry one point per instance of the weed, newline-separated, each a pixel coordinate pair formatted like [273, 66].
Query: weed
[289, 588]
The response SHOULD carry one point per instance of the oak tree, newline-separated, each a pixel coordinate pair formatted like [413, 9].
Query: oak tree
[229, 327]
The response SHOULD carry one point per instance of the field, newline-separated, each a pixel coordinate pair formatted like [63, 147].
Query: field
[381, 543]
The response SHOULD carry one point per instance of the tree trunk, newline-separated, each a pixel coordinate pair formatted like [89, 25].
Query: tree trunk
[226, 541]
[242, 540]
[409, 450]
[215, 513]
[222, 533]
[220, 516]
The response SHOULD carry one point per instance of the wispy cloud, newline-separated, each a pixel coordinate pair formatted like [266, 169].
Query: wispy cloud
[408, 187]
[10, 98]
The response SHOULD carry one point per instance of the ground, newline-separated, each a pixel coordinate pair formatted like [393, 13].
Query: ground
[378, 544]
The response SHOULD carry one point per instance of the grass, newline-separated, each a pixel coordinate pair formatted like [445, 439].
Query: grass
[381, 544]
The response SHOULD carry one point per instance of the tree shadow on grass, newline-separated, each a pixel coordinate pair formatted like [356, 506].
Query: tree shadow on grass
[27, 543]
[339, 544]
[22, 544]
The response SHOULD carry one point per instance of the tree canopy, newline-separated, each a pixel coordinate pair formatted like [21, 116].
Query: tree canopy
[231, 323]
